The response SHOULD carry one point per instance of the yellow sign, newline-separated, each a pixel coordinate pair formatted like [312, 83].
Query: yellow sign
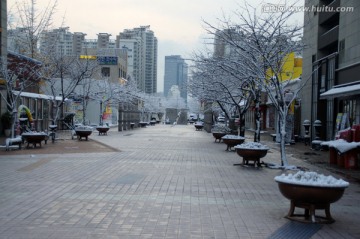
[87, 57]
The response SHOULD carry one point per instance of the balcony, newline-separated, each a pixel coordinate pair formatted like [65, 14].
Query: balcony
[328, 38]
[326, 16]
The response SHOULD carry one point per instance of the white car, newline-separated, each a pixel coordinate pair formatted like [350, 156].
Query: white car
[221, 119]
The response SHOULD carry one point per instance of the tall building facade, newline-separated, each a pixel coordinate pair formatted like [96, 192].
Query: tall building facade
[59, 41]
[111, 60]
[16, 39]
[176, 73]
[331, 65]
[3, 28]
[66, 43]
[77, 42]
[143, 48]
[3, 51]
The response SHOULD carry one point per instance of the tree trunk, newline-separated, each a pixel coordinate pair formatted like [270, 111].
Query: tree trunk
[257, 122]
[242, 124]
[282, 132]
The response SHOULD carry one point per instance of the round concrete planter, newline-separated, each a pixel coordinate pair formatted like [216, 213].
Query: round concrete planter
[232, 140]
[310, 198]
[102, 130]
[218, 135]
[251, 154]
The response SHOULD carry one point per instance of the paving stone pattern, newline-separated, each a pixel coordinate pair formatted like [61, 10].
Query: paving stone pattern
[164, 182]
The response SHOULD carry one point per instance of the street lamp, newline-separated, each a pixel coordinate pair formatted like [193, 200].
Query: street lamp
[317, 126]
[316, 144]
[306, 125]
[100, 119]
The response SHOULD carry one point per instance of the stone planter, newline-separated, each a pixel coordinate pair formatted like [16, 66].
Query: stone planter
[83, 132]
[34, 138]
[232, 140]
[251, 153]
[102, 130]
[198, 126]
[310, 198]
[218, 135]
[143, 124]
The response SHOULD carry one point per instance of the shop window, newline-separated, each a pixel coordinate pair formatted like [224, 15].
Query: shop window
[39, 109]
[349, 107]
[45, 109]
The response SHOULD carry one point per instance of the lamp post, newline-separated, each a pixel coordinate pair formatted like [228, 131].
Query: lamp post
[100, 119]
[317, 126]
[306, 125]
[316, 144]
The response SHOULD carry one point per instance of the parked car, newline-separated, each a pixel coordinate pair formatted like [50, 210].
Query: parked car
[221, 119]
[192, 117]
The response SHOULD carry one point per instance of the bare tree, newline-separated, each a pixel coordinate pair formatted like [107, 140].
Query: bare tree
[20, 74]
[263, 42]
[217, 79]
[111, 93]
[63, 74]
[28, 22]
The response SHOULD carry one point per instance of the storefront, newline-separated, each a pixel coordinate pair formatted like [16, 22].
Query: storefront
[346, 98]
[40, 107]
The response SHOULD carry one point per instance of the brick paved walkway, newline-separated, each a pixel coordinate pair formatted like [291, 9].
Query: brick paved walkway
[165, 182]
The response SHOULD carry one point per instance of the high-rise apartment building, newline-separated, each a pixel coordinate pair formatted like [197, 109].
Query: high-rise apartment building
[16, 41]
[103, 40]
[142, 48]
[176, 73]
[78, 42]
[331, 64]
[71, 44]
[58, 41]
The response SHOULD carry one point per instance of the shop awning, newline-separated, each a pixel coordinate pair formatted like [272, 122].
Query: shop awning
[36, 96]
[341, 90]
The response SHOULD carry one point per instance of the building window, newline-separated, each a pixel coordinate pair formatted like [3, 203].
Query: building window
[323, 78]
[313, 58]
[342, 45]
[105, 71]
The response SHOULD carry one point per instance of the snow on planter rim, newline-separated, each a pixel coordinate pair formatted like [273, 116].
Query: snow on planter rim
[102, 126]
[252, 145]
[311, 179]
[230, 136]
[84, 128]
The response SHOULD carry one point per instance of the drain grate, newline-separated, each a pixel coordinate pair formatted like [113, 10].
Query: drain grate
[295, 230]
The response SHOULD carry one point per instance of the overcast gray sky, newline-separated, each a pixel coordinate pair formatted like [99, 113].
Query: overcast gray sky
[178, 24]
